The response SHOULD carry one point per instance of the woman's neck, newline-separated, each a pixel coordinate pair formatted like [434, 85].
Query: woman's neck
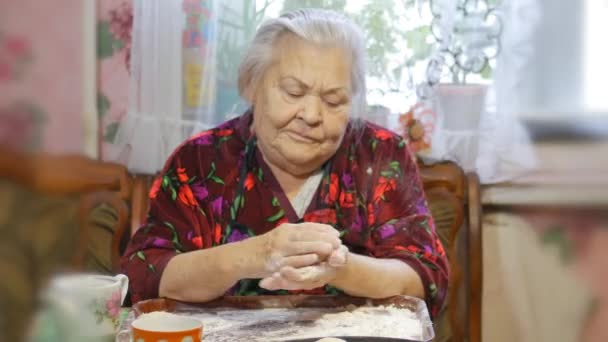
[290, 184]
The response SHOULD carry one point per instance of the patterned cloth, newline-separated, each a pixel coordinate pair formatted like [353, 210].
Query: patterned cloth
[217, 189]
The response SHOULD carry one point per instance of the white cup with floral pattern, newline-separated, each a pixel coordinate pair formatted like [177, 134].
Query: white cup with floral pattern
[87, 306]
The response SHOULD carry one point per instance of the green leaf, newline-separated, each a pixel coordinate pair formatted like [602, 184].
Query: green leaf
[425, 225]
[387, 174]
[417, 41]
[275, 202]
[110, 132]
[191, 180]
[173, 194]
[211, 172]
[165, 182]
[217, 180]
[237, 201]
[395, 165]
[107, 44]
[486, 71]
[260, 174]
[433, 290]
[223, 139]
[374, 144]
[401, 143]
[227, 233]
[141, 255]
[232, 212]
[103, 105]
[430, 265]
[152, 268]
[276, 216]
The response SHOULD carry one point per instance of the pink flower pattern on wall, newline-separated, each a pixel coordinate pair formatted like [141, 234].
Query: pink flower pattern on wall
[15, 56]
[114, 27]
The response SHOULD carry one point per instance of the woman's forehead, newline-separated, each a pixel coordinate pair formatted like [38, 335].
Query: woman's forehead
[311, 63]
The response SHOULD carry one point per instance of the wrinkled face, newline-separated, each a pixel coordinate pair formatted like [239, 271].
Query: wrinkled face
[301, 105]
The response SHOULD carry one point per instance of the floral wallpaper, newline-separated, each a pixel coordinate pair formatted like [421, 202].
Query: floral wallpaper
[41, 75]
[114, 23]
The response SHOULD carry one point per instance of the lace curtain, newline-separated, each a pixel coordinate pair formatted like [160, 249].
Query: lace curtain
[478, 125]
[172, 81]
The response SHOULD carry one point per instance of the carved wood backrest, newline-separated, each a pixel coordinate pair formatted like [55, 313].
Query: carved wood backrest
[453, 198]
[92, 181]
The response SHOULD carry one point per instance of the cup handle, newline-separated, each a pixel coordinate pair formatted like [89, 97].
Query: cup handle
[124, 286]
[124, 336]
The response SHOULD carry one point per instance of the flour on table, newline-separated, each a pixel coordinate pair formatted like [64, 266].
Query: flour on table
[270, 324]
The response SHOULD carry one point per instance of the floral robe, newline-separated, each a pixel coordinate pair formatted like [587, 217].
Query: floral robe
[217, 189]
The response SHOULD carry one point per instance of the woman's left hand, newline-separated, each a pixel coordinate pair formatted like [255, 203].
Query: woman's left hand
[309, 277]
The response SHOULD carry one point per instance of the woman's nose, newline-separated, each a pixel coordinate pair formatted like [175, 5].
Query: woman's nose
[311, 112]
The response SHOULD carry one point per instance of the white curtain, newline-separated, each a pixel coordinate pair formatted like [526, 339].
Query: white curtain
[172, 90]
[478, 126]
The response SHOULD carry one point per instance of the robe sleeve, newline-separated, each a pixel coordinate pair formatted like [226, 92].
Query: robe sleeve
[177, 222]
[401, 224]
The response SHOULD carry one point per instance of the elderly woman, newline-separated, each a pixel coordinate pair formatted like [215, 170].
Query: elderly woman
[296, 195]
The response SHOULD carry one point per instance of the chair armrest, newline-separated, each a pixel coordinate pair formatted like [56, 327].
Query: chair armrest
[88, 204]
[475, 256]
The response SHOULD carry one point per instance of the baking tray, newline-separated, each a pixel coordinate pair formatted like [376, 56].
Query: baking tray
[293, 303]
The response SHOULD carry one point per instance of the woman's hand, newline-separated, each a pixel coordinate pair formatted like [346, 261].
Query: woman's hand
[308, 277]
[296, 246]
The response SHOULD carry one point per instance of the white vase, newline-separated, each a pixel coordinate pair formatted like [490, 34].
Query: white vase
[460, 105]
[459, 109]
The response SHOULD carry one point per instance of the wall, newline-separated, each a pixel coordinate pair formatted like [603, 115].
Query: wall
[41, 75]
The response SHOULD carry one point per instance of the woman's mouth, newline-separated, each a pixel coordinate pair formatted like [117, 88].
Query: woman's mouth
[302, 138]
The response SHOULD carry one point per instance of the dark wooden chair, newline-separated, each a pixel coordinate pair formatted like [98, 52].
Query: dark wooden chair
[454, 201]
[45, 207]
[87, 181]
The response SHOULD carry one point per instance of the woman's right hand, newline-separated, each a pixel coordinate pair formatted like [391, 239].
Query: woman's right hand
[296, 245]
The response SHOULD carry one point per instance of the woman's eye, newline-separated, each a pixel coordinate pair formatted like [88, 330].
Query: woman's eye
[334, 102]
[294, 93]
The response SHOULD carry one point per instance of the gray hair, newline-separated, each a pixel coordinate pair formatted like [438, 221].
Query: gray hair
[323, 27]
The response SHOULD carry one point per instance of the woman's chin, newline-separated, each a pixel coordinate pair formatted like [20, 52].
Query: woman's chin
[301, 164]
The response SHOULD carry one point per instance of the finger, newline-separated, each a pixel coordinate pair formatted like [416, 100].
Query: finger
[338, 257]
[304, 274]
[298, 261]
[319, 227]
[276, 282]
[314, 236]
[280, 283]
[270, 283]
[322, 249]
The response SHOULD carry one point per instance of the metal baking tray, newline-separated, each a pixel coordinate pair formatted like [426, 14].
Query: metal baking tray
[252, 308]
